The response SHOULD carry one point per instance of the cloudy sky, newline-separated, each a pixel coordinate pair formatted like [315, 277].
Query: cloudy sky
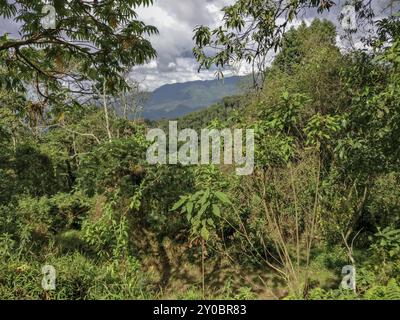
[176, 20]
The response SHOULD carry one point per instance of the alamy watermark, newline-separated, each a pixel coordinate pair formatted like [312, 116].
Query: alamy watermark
[187, 148]
[349, 278]
[49, 278]
[349, 18]
[49, 20]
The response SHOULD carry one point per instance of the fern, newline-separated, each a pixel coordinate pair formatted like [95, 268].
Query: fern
[393, 290]
[389, 292]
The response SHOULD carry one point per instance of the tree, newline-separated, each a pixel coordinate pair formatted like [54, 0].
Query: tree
[203, 208]
[298, 43]
[251, 29]
[91, 41]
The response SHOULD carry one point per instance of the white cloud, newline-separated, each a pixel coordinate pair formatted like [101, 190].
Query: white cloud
[176, 20]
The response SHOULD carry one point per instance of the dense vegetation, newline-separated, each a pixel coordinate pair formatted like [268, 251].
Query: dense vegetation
[77, 193]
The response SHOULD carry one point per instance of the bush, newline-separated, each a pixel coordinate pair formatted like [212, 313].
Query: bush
[77, 278]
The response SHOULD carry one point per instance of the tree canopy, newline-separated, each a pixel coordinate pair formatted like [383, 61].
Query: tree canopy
[251, 29]
[91, 41]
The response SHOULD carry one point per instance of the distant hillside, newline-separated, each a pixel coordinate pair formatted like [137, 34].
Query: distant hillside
[201, 119]
[175, 100]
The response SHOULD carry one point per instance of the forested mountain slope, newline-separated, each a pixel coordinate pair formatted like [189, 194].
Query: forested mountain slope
[174, 100]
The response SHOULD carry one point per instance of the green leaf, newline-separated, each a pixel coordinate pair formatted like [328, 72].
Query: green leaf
[203, 208]
[196, 195]
[204, 233]
[189, 207]
[205, 196]
[223, 197]
[179, 204]
[216, 210]
[211, 223]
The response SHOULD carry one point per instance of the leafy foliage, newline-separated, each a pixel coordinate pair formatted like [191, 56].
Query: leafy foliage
[91, 41]
[77, 192]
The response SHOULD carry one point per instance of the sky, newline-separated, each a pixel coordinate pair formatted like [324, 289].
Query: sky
[176, 20]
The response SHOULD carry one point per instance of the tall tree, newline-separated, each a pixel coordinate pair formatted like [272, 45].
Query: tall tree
[89, 42]
[251, 29]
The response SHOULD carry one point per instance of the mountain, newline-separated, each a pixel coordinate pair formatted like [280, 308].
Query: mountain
[175, 100]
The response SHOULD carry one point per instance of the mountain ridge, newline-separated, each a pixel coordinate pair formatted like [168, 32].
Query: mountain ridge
[178, 99]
